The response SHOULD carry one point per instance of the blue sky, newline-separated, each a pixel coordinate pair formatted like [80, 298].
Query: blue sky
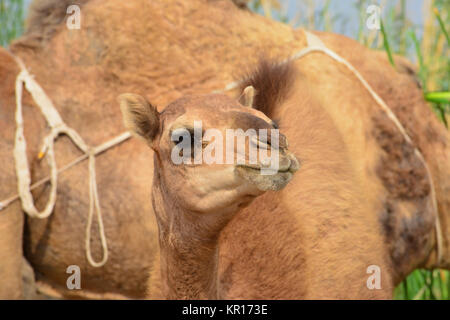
[346, 16]
[347, 9]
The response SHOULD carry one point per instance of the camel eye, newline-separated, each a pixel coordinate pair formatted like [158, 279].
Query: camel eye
[178, 135]
[184, 137]
[193, 140]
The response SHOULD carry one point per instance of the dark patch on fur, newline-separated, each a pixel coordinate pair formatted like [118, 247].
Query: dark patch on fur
[407, 218]
[272, 82]
[408, 237]
[402, 172]
[387, 219]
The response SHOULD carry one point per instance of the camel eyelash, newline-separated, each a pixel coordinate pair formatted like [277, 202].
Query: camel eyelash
[191, 131]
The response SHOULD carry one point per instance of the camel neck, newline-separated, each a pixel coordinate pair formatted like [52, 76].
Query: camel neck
[188, 249]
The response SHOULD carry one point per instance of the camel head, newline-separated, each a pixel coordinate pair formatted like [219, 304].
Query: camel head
[212, 153]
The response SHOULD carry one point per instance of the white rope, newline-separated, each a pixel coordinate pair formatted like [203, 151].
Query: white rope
[22, 169]
[100, 149]
[57, 127]
[314, 44]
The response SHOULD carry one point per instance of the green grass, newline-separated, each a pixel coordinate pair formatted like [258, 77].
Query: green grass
[11, 20]
[441, 24]
[424, 285]
[386, 45]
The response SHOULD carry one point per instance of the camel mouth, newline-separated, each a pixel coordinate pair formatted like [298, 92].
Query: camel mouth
[257, 169]
[290, 165]
[265, 182]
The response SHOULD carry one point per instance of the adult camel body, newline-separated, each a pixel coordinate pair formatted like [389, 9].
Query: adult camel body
[172, 48]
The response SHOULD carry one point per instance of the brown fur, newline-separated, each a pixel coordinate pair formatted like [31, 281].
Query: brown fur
[401, 92]
[272, 81]
[402, 173]
[317, 211]
[208, 43]
[11, 219]
[45, 17]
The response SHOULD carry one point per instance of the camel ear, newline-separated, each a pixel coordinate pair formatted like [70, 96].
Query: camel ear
[139, 116]
[248, 96]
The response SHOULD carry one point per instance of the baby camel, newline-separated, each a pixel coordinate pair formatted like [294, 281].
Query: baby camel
[193, 201]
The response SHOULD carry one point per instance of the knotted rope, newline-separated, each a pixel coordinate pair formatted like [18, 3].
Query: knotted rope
[57, 128]
[314, 44]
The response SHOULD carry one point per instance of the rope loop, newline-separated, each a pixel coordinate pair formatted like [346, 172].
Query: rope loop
[57, 128]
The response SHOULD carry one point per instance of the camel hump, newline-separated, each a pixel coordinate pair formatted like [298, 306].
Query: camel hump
[44, 16]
